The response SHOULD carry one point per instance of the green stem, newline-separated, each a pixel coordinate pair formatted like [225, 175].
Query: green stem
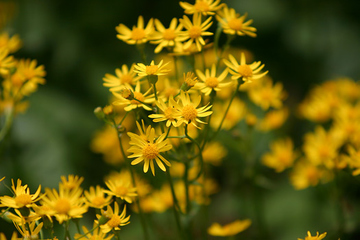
[199, 154]
[216, 43]
[67, 232]
[88, 232]
[141, 48]
[8, 123]
[155, 93]
[168, 131]
[229, 39]
[207, 127]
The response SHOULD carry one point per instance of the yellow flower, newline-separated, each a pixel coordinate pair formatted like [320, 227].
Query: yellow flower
[115, 221]
[273, 119]
[95, 197]
[30, 232]
[138, 34]
[133, 103]
[211, 82]
[237, 112]
[317, 237]
[230, 229]
[71, 183]
[124, 78]
[65, 204]
[206, 7]
[152, 69]
[22, 196]
[281, 155]
[95, 234]
[248, 73]
[233, 23]
[12, 44]
[214, 153]
[148, 148]
[169, 112]
[6, 62]
[121, 188]
[353, 159]
[166, 37]
[195, 30]
[188, 112]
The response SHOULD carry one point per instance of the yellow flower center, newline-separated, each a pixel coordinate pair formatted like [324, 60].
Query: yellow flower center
[169, 113]
[126, 78]
[121, 191]
[212, 82]
[62, 206]
[150, 151]
[114, 221]
[245, 70]
[17, 80]
[267, 94]
[195, 32]
[189, 113]
[137, 33]
[202, 6]
[169, 34]
[98, 201]
[23, 199]
[152, 69]
[235, 24]
[138, 96]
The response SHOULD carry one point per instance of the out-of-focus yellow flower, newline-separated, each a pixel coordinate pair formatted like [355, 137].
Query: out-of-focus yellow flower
[317, 237]
[233, 23]
[93, 234]
[205, 7]
[214, 153]
[353, 159]
[236, 113]
[281, 155]
[195, 30]
[12, 44]
[95, 197]
[30, 232]
[230, 229]
[121, 188]
[210, 82]
[273, 119]
[138, 34]
[248, 72]
[6, 62]
[71, 183]
[115, 221]
[124, 78]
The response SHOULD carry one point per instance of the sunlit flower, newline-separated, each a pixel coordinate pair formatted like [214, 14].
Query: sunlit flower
[138, 34]
[248, 72]
[93, 234]
[22, 196]
[124, 78]
[121, 188]
[152, 69]
[71, 183]
[166, 37]
[188, 112]
[233, 23]
[95, 197]
[195, 30]
[205, 7]
[317, 237]
[147, 149]
[230, 229]
[115, 221]
[214, 153]
[210, 81]
[169, 112]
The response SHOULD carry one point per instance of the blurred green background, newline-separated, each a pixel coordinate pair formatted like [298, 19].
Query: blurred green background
[301, 42]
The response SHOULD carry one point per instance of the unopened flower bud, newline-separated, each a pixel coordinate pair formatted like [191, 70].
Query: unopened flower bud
[108, 109]
[189, 81]
[99, 113]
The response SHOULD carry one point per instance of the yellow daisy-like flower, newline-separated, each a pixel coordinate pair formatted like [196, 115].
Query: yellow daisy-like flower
[317, 237]
[12, 44]
[132, 102]
[148, 150]
[168, 114]
[195, 30]
[31, 71]
[124, 78]
[166, 37]
[273, 119]
[65, 204]
[6, 62]
[205, 7]
[188, 112]
[95, 197]
[246, 72]
[30, 232]
[151, 70]
[121, 188]
[230, 229]
[233, 23]
[71, 183]
[115, 221]
[138, 34]
[211, 82]
[22, 196]
[93, 234]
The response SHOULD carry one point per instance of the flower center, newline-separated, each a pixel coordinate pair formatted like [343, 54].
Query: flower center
[121, 190]
[267, 94]
[195, 32]
[245, 71]
[235, 24]
[126, 79]
[152, 69]
[138, 96]
[212, 82]
[137, 33]
[62, 206]
[202, 6]
[114, 221]
[169, 34]
[169, 113]
[17, 80]
[23, 199]
[150, 151]
[98, 201]
[189, 113]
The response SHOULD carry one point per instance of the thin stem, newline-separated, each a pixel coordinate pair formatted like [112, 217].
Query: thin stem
[207, 127]
[67, 232]
[8, 123]
[199, 154]
[122, 120]
[168, 131]
[89, 231]
[142, 102]
[141, 48]
[155, 93]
